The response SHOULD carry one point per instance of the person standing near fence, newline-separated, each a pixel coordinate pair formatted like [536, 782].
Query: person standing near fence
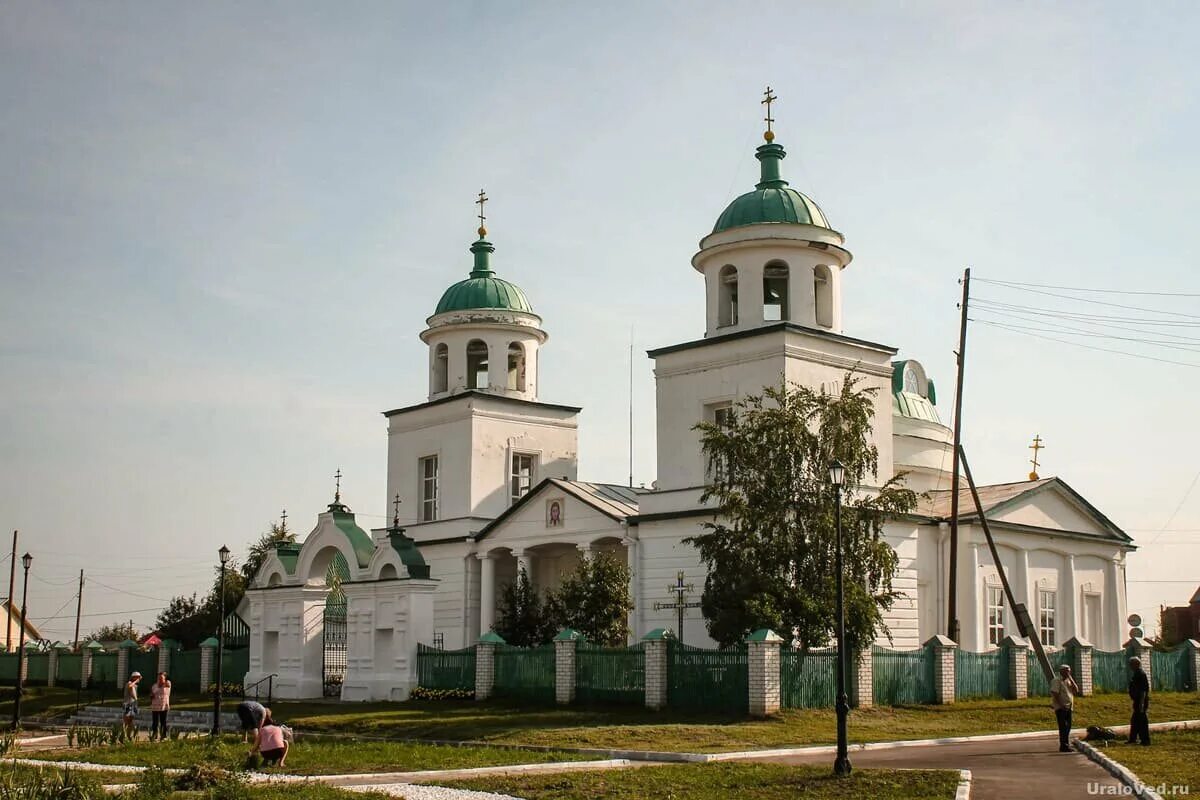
[1062, 699]
[129, 704]
[1139, 696]
[160, 704]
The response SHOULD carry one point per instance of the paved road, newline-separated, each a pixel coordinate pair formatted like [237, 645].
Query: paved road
[1014, 768]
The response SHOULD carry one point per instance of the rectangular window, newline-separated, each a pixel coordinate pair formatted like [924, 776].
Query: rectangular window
[521, 477]
[429, 488]
[722, 417]
[995, 614]
[1047, 628]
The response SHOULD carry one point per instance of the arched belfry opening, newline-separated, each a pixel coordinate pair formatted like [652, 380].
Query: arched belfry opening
[441, 369]
[775, 292]
[477, 364]
[516, 367]
[727, 296]
[823, 295]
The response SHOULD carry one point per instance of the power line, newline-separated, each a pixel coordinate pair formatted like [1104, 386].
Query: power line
[1104, 303]
[1004, 309]
[131, 594]
[1096, 334]
[1090, 347]
[107, 613]
[1083, 315]
[1017, 285]
[1171, 519]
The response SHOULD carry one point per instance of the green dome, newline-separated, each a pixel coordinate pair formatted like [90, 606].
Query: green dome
[772, 199]
[483, 289]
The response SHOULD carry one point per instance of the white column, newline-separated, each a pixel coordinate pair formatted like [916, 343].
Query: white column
[1070, 598]
[585, 551]
[524, 561]
[1111, 621]
[631, 559]
[971, 618]
[487, 593]
[1021, 590]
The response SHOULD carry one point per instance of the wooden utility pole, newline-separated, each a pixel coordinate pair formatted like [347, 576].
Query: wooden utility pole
[952, 599]
[12, 578]
[78, 610]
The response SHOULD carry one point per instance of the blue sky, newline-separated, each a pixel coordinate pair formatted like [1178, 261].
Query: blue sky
[224, 224]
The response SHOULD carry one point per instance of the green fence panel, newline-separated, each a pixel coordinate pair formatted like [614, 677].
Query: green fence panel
[1169, 671]
[610, 675]
[902, 677]
[145, 662]
[38, 673]
[445, 669]
[807, 678]
[708, 680]
[8, 669]
[1110, 671]
[234, 666]
[70, 668]
[185, 670]
[1038, 685]
[525, 674]
[104, 670]
[980, 674]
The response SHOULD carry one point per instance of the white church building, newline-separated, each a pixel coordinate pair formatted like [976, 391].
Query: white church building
[489, 470]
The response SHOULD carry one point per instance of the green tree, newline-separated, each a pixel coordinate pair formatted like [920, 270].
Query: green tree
[264, 547]
[594, 600]
[184, 620]
[522, 617]
[117, 632]
[770, 551]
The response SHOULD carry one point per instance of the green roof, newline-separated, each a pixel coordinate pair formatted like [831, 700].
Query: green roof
[483, 290]
[772, 199]
[410, 556]
[363, 547]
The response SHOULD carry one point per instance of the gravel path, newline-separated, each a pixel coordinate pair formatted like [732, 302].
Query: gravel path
[414, 791]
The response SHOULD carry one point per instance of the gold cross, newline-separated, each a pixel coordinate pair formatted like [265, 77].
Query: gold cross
[283, 520]
[768, 98]
[396, 505]
[337, 492]
[483, 198]
[1037, 445]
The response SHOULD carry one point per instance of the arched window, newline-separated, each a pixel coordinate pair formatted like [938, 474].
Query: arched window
[477, 364]
[388, 572]
[441, 368]
[775, 292]
[516, 367]
[727, 296]
[823, 295]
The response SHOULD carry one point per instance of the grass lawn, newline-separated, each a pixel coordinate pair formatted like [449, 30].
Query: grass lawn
[307, 757]
[1173, 758]
[723, 782]
[9, 770]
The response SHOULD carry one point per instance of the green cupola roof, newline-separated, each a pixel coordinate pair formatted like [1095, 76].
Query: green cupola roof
[483, 290]
[772, 199]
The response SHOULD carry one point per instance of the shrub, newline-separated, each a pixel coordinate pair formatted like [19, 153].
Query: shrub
[423, 693]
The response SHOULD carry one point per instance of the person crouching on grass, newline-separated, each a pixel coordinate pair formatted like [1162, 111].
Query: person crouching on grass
[270, 742]
[129, 705]
[1062, 699]
[251, 716]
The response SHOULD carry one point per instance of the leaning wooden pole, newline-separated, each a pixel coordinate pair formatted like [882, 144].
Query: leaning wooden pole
[1024, 623]
[952, 629]
[12, 577]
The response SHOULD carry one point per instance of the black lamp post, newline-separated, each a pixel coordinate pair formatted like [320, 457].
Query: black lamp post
[841, 765]
[26, 560]
[216, 727]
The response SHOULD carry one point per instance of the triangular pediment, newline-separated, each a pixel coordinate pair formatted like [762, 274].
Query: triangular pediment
[556, 507]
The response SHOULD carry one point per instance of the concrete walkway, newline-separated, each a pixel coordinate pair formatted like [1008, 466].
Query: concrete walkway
[1029, 768]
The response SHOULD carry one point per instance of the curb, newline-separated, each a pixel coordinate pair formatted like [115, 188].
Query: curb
[963, 792]
[1121, 773]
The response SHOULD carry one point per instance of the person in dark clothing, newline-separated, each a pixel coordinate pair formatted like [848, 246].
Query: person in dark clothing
[1139, 696]
[251, 716]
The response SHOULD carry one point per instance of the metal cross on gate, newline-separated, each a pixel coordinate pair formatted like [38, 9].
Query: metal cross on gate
[681, 591]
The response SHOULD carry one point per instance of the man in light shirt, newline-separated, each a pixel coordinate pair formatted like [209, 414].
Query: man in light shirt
[1062, 699]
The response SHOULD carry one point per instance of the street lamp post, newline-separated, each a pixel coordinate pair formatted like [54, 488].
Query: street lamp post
[216, 727]
[26, 560]
[841, 765]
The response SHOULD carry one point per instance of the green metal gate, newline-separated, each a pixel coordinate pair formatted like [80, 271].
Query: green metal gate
[1038, 685]
[38, 670]
[1169, 670]
[234, 666]
[902, 677]
[445, 669]
[104, 670]
[808, 678]
[333, 634]
[185, 671]
[978, 675]
[70, 668]
[609, 675]
[1109, 671]
[525, 674]
[708, 680]
[145, 662]
[8, 669]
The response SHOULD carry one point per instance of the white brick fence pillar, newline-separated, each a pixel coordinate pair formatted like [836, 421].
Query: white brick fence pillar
[1140, 649]
[25, 665]
[1193, 658]
[764, 663]
[862, 679]
[564, 665]
[944, 649]
[1080, 658]
[85, 663]
[164, 657]
[123, 651]
[485, 664]
[656, 643]
[1015, 650]
[208, 657]
[52, 667]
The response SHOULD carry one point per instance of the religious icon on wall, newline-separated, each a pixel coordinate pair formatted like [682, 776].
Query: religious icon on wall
[554, 513]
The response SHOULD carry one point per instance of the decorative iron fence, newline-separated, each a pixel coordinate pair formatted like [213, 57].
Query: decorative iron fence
[1038, 685]
[807, 678]
[1110, 671]
[605, 675]
[445, 669]
[902, 677]
[1169, 670]
[234, 665]
[979, 675]
[525, 674]
[709, 680]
